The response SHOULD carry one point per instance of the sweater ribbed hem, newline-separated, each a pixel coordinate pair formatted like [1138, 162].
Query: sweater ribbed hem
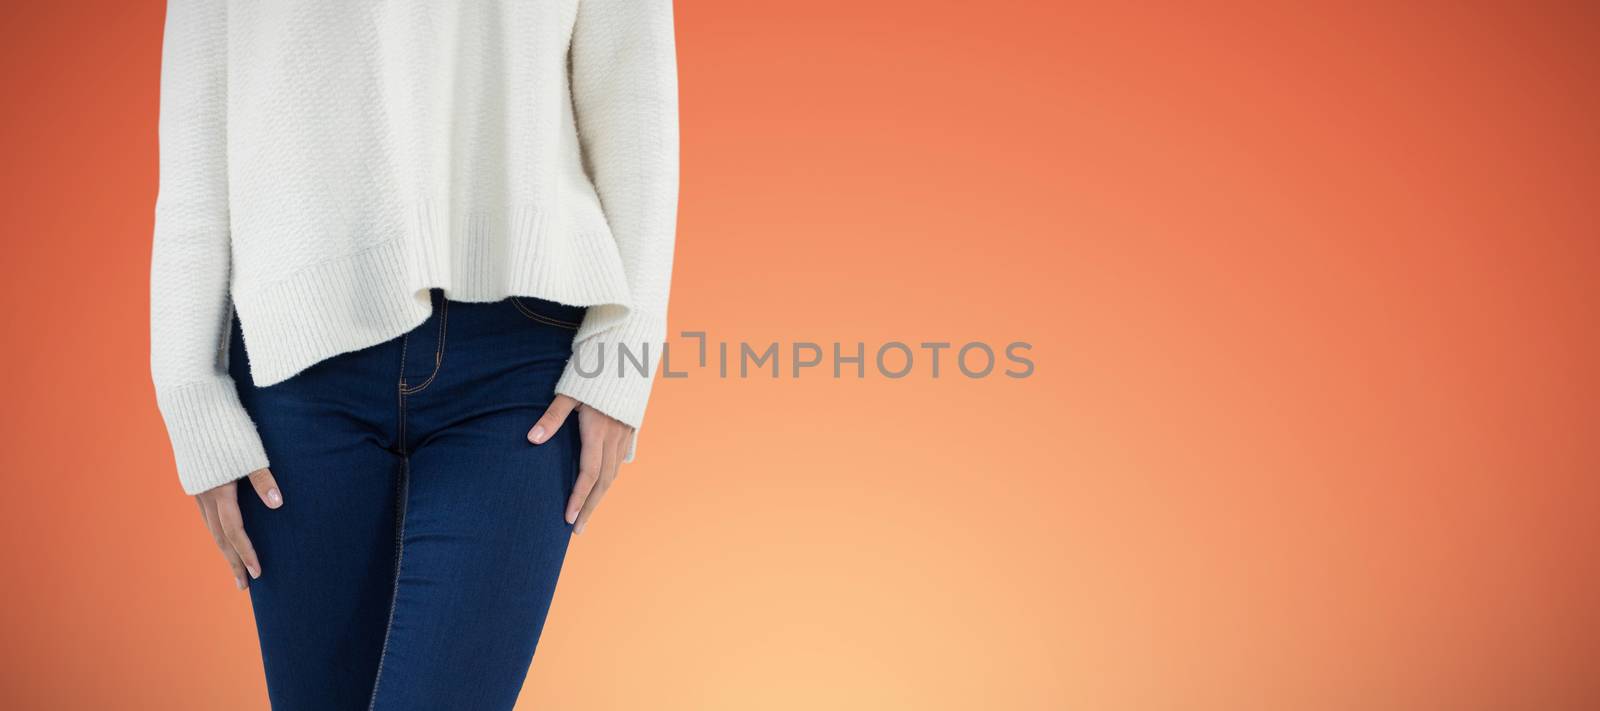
[213, 439]
[594, 376]
[381, 292]
[331, 308]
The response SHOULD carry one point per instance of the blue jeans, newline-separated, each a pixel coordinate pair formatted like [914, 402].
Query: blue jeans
[417, 550]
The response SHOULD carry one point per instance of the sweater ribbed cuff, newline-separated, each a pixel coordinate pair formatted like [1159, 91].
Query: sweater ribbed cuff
[618, 390]
[213, 439]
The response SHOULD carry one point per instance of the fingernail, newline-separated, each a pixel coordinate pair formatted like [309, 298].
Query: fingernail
[254, 571]
[578, 529]
[239, 582]
[537, 435]
[572, 516]
[274, 499]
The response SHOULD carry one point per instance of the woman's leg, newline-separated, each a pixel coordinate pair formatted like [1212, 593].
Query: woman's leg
[483, 532]
[483, 541]
[327, 555]
[327, 560]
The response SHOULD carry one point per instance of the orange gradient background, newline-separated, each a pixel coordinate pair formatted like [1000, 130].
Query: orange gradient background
[1312, 293]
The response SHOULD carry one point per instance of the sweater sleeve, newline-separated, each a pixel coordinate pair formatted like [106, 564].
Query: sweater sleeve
[625, 98]
[213, 438]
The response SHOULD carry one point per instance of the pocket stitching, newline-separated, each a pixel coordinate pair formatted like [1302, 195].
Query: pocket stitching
[541, 318]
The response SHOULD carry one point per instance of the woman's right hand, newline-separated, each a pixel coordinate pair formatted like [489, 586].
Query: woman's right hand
[220, 509]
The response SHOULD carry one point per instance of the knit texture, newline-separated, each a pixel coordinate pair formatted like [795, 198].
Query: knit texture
[325, 164]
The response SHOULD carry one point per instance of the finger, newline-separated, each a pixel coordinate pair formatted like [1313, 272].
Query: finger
[590, 461]
[547, 425]
[614, 455]
[208, 513]
[590, 504]
[266, 488]
[608, 474]
[231, 557]
[233, 530]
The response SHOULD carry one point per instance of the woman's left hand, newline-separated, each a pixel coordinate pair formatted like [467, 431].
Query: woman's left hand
[605, 443]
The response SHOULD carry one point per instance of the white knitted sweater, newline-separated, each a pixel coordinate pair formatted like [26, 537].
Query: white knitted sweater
[323, 164]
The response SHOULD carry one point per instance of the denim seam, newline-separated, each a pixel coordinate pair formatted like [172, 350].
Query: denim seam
[400, 404]
[438, 352]
[541, 318]
[400, 505]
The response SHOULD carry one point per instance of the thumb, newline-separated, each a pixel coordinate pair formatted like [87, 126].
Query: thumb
[267, 488]
[547, 426]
